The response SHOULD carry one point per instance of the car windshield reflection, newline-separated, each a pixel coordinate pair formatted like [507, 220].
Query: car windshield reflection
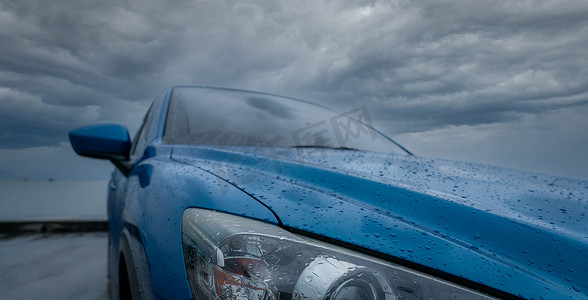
[198, 116]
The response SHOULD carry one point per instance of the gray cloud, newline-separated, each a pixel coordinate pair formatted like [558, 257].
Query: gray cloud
[551, 142]
[419, 65]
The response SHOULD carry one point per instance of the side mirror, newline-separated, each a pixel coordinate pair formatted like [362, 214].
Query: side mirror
[108, 141]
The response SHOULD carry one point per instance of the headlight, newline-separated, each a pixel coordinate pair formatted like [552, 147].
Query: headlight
[231, 257]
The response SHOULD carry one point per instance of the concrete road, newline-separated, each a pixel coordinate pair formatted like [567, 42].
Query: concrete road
[53, 266]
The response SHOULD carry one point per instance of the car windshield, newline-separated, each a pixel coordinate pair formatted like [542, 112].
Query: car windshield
[212, 116]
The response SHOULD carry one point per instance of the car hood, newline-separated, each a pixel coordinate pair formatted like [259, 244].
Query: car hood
[515, 231]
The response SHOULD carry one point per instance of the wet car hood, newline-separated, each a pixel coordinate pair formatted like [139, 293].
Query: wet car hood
[515, 231]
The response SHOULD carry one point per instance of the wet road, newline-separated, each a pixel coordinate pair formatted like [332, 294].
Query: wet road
[53, 266]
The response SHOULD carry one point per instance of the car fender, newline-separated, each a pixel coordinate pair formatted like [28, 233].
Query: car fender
[138, 280]
[158, 191]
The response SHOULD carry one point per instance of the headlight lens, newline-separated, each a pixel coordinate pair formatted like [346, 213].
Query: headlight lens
[231, 257]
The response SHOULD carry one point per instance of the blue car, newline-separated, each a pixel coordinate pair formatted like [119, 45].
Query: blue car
[233, 194]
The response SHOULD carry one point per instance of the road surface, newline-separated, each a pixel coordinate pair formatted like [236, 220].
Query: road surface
[53, 266]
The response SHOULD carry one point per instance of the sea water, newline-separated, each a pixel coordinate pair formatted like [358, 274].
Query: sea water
[49, 199]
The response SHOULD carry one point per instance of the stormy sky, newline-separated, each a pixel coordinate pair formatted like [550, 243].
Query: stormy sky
[497, 82]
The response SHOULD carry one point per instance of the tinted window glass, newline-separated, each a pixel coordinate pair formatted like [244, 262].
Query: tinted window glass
[204, 116]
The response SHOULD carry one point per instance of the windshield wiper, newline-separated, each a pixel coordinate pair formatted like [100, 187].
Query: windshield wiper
[324, 147]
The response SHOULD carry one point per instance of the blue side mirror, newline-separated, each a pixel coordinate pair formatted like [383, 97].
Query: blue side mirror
[108, 141]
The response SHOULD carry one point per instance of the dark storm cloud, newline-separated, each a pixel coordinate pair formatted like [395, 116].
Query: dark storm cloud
[63, 65]
[419, 65]
[452, 63]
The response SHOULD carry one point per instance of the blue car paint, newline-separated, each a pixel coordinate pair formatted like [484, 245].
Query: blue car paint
[491, 242]
[107, 138]
[514, 231]
[158, 191]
